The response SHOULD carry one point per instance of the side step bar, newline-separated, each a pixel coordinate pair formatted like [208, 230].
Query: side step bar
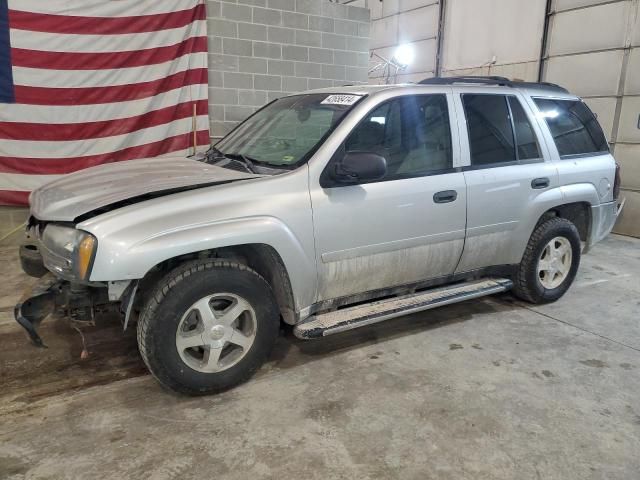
[360, 315]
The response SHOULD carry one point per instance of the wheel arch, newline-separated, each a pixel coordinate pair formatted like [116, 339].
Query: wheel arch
[261, 257]
[137, 254]
[573, 202]
[578, 213]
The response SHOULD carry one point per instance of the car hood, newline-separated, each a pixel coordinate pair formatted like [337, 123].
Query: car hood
[99, 187]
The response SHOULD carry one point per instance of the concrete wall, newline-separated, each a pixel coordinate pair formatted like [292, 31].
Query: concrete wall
[594, 50]
[260, 50]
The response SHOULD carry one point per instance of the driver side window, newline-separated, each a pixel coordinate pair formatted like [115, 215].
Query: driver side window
[412, 133]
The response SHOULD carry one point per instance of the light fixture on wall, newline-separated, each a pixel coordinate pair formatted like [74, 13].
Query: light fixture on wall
[404, 55]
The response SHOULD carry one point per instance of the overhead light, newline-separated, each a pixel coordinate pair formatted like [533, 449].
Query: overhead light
[404, 55]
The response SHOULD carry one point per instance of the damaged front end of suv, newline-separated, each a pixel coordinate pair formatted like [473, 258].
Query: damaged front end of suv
[61, 257]
[63, 235]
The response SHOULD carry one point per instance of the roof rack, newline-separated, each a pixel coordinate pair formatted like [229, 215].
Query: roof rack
[492, 80]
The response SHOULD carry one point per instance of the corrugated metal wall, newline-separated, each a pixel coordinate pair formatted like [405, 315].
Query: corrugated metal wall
[593, 48]
[493, 37]
[394, 22]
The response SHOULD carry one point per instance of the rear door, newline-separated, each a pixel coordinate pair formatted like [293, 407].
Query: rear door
[505, 174]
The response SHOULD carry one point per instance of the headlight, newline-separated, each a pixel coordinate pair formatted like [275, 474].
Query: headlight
[68, 252]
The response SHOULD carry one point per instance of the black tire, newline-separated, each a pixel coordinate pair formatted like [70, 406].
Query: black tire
[31, 260]
[527, 285]
[171, 298]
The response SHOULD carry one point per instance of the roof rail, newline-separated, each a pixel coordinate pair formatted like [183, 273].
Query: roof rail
[492, 80]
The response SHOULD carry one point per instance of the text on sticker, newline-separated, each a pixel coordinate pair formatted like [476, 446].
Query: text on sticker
[341, 99]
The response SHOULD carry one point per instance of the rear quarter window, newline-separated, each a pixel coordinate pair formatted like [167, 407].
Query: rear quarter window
[574, 127]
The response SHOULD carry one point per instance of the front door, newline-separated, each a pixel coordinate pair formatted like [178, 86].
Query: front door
[408, 226]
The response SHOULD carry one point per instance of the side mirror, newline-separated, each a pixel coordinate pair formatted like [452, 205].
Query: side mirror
[358, 167]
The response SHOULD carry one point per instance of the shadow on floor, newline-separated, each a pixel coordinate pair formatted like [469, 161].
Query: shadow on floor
[30, 373]
[290, 352]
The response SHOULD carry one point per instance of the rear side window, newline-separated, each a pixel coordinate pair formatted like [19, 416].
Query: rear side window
[499, 130]
[573, 127]
[490, 133]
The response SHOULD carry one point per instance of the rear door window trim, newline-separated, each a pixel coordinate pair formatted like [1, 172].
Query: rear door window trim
[517, 160]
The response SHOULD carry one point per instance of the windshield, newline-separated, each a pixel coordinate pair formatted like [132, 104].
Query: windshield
[288, 131]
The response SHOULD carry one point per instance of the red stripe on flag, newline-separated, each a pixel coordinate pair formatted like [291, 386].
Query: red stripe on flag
[10, 197]
[90, 130]
[52, 166]
[21, 57]
[38, 22]
[118, 93]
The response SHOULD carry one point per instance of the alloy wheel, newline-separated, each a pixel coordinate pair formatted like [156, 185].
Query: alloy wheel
[554, 263]
[216, 332]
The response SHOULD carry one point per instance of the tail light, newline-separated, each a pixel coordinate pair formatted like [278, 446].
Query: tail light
[616, 183]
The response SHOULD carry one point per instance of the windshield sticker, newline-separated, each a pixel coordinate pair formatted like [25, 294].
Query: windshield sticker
[341, 99]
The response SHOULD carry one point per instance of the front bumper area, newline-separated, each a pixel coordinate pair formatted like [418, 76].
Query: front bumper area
[78, 302]
[36, 304]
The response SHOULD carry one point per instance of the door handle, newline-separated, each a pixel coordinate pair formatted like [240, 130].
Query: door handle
[445, 196]
[538, 183]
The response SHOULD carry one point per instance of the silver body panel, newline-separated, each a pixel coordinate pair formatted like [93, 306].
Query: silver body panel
[384, 234]
[370, 237]
[336, 241]
[275, 211]
[78, 193]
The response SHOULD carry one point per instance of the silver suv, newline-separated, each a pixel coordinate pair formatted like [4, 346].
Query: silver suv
[327, 210]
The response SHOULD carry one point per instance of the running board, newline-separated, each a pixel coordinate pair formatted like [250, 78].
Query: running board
[358, 316]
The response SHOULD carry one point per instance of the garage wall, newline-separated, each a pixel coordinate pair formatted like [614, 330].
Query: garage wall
[493, 37]
[477, 40]
[260, 50]
[594, 50]
[395, 22]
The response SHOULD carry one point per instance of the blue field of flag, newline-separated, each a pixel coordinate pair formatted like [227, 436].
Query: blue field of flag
[7, 93]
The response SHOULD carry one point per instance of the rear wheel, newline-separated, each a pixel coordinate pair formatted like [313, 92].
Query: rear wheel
[208, 326]
[550, 262]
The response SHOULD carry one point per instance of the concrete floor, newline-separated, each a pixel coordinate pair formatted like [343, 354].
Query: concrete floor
[490, 389]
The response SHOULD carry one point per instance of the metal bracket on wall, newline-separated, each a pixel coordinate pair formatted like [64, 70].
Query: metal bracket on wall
[548, 12]
[441, 20]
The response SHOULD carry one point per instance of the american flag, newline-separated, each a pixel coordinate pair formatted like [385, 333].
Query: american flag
[86, 82]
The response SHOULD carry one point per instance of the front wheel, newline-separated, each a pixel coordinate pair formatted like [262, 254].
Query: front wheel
[208, 326]
[550, 262]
